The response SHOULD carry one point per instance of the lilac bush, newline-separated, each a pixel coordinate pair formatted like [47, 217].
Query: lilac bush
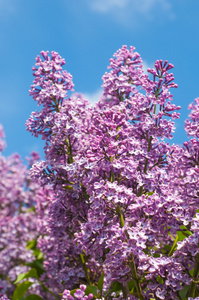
[19, 222]
[123, 219]
[15, 226]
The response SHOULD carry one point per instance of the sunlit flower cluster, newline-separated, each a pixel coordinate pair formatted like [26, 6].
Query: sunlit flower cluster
[116, 206]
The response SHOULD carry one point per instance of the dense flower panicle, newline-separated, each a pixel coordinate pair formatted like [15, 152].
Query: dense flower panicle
[49, 80]
[51, 85]
[124, 201]
[151, 102]
[126, 70]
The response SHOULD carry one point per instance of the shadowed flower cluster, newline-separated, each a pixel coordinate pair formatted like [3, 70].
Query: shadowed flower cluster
[18, 218]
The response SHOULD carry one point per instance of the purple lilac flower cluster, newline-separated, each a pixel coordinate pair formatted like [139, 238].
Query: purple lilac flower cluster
[126, 202]
[4, 298]
[18, 219]
[79, 294]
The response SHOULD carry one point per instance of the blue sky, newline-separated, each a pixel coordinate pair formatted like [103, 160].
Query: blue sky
[87, 33]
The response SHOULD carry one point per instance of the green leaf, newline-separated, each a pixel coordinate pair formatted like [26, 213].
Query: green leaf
[191, 272]
[31, 209]
[21, 289]
[184, 292]
[183, 227]
[131, 284]
[38, 254]
[72, 292]
[183, 234]
[174, 246]
[67, 187]
[149, 193]
[20, 277]
[31, 244]
[31, 273]
[116, 286]
[91, 289]
[33, 297]
[159, 279]
[166, 249]
[100, 283]
[38, 265]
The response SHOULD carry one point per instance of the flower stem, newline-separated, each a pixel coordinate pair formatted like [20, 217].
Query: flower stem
[132, 261]
[70, 159]
[85, 269]
[148, 150]
[173, 247]
[192, 291]
[47, 289]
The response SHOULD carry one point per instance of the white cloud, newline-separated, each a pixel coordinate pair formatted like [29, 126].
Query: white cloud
[93, 97]
[146, 65]
[125, 10]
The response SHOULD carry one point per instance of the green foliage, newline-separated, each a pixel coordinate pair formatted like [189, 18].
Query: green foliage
[35, 272]
[91, 290]
[21, 289]
[115, 287]
[184, 292]
[100, 283]
[31, 273]
[39, 258]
